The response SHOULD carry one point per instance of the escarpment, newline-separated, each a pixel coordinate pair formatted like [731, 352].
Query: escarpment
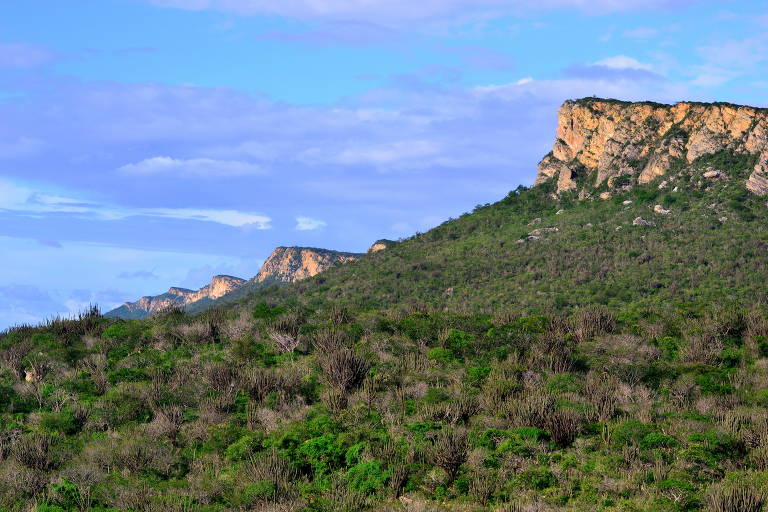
[607, 144]
[291, 264]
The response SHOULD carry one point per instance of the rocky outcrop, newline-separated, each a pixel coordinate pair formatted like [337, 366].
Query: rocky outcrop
[620, 144]
[291, 264]
[380, 245]
[175, 296]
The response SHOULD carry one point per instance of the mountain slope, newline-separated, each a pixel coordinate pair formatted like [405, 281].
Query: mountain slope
[444, 373]
[524, 252]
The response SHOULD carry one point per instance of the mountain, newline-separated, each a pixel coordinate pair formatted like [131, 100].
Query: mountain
[175, 296]
[608, 221]
[285, 265]
[608, 146]
[578, 345]
[291, 264]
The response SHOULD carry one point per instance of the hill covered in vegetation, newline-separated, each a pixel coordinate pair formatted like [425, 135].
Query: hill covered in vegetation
[540, 353]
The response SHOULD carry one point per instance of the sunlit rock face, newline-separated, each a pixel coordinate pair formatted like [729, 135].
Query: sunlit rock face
[291, 264]
[620, 144]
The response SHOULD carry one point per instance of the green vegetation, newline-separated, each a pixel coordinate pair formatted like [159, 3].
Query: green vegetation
[466, 368]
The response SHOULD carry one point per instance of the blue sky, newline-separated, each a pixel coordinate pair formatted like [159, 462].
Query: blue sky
[151, 143]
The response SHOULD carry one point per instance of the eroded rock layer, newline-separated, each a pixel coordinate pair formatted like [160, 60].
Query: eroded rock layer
[619, 144]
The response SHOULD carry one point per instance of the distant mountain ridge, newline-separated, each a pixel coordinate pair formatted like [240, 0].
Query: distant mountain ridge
[285, 265]
[176, 296]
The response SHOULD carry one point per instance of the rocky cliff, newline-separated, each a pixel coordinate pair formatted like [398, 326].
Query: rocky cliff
[290, 264]
[175, 296]
[607, 144]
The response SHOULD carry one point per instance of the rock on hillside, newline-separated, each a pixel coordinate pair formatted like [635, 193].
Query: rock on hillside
[619, 144]
[175, 296]
[291, 264]
[380, 245]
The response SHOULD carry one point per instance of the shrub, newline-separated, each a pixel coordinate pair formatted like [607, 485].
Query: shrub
[367, 477]
[537, 479]
[563, 426]
[343, 367]
[735, 499]
[449, 451]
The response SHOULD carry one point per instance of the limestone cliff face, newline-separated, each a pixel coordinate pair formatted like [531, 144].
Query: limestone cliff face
[290, 264]
[175, 296]
[620, 144]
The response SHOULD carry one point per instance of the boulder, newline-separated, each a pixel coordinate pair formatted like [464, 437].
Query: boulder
[639, 221]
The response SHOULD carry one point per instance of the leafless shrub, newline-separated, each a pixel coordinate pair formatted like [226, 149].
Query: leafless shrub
[339, 498]
[496, 392]
[12, 357]
[481, 487]
[625, 356]
[237, 328]
[735, 499]
[273, 468]
[342, 366]
[564, 425]
[96, 366]
[130, 455]
[461, 409]
[398, 479]
[338, 315]
[7, 439]
[600, 391]
[592, 320]
[683, 391]
[35, 451]
[756, 324]
[530, 410]
[196, 333]
[701, 347]
[221, 376]
[284, 341]
[22, 479]
[334, 399]
[260, 382]
[449, 451]
[167, 422]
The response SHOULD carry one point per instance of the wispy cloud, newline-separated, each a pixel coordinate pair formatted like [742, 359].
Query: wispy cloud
[407, 9]
[24, 56]
[195, 167]
[138, 274]
[22, 199]
[309, 224]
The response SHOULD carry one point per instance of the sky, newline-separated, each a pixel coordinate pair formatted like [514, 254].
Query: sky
[154, 143]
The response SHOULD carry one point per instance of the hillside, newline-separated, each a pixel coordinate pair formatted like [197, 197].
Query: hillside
[563, 245]
[552, 351]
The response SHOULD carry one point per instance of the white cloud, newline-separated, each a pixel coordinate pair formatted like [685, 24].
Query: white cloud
[197, 167]
[29, 201]
[309, 224]
[226, 217]
[524, 81]
[623, 62]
